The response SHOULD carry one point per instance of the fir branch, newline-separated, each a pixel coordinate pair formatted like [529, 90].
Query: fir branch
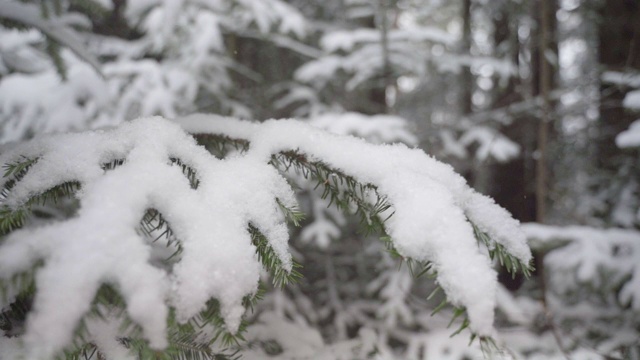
[271, 261]
[14, 316]
[347, 193]
[18, 169]
[251, 301]
[153, 223]
[11, 219]
[84, 352]
[211, 316]
[188, 171]
[53, 195]
[496, 250]
[221, 145]
[110, 165]
[293, 214]
[15, 171]
[53, 49]
[342, 190]
[22, 285]
[14, 218]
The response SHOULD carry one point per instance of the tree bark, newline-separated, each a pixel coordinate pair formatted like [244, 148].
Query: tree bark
[546, 54]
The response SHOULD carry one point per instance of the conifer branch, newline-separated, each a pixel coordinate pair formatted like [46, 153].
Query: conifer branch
[154, 226]
[342, 190]
[110, 165]
[188, 171]
[496, 250]
[221, 145]
[14, 172]
[271, 261]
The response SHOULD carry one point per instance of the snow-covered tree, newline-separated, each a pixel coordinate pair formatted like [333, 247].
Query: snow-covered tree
[163, 251]
[164, 58]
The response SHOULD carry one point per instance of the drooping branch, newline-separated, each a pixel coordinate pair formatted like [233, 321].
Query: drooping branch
[421, 191]
[223, 213]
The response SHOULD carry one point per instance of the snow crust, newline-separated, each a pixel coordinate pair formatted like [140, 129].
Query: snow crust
[431, 203]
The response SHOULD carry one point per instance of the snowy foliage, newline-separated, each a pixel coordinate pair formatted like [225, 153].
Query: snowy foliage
[179, 62]
[152, 168]
[630, 137]
[595, 283]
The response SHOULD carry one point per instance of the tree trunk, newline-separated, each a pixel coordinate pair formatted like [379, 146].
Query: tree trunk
[619, 50]
[546, 54]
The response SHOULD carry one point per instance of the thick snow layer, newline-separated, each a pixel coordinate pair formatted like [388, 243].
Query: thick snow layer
[101, 243]
[430, 200]
[630, 137]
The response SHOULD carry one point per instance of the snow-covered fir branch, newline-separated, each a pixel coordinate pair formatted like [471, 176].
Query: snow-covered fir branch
[169, 240]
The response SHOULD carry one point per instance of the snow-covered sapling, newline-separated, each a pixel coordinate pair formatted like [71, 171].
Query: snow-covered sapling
[165, 250]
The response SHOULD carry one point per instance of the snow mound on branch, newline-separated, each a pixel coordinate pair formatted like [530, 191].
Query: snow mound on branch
[587, 252]
[632, 100]
[630, 137]
[347, 39]
[101, 244]
[430, 200]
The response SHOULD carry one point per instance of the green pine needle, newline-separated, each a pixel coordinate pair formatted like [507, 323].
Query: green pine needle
[110, 165]
[343, 191]
[17, 169]
[293, 214]
[270, 260]
[221, 145]
[496, 250]
[188, 171]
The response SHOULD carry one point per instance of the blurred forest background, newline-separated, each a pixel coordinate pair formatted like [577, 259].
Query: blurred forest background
[535, 102]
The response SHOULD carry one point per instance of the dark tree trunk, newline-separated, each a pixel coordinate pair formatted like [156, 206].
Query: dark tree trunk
[619, 50]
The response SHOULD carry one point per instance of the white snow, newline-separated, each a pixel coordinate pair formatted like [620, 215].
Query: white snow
[587, 252]
[378, 129]
[53, 104]
[101, 243]
[438, 232]
[621, 78]
[57, 28]
[632, 100]
[325, 225]
[630, 137]
[491, 144]
[347, 39]
[431, 204]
